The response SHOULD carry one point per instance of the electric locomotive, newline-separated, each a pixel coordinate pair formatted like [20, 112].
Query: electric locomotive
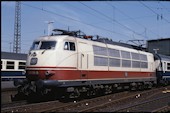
[70, 64]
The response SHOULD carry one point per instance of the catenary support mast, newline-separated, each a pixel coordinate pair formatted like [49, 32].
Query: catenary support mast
[17, 29]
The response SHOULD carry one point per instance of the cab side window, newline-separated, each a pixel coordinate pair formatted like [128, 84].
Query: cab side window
[66, 46]
[69, 46]
[72, 46]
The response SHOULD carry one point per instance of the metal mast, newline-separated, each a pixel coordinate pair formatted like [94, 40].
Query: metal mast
[50, 27]
[17, 28]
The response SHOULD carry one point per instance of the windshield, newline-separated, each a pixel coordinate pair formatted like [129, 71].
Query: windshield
[48, 45]
[43, 45]
[35, 45]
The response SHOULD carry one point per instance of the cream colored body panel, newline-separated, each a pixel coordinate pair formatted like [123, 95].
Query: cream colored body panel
[83, 57]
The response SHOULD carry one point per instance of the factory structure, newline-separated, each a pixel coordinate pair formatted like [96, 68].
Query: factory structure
[160, 46]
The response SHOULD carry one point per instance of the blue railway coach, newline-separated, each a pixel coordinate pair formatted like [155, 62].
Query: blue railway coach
[12, 66]
[163, 68]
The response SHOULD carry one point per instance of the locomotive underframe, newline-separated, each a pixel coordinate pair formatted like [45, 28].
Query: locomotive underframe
[52, 89]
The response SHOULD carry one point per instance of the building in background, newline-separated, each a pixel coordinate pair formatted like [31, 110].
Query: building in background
[161, 46]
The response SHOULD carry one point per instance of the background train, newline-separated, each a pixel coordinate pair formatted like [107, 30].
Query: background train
[162, 63]
[70, 64]
[13, 66]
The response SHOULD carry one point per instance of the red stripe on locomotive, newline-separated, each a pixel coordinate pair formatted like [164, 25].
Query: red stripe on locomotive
[82, 74]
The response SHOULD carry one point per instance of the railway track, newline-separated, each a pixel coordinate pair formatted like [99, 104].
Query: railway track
[148, 105]
[34, 107]
[118, 104]
[13, 104]
[163, 109]
[61, 106]
[6, 94]
[77, 106]
[112, 102]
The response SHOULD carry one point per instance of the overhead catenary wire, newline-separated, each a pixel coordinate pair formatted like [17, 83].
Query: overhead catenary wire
[165, 7]
[105, 20]
[120, 20]
[95, 15]
[97, 27]
[112, 19]
[5, 47]
[153, 11]
[132, 19]
[11, 42]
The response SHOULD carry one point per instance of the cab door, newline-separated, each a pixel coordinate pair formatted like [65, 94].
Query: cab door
[83, 60]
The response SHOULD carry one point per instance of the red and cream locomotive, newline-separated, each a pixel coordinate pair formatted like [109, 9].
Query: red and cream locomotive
[70, 64]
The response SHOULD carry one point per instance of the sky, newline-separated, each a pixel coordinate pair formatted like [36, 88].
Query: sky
[120, 21]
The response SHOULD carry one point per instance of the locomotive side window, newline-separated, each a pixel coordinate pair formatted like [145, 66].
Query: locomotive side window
[10, 65]
[168, 66]
[66, 46]
[69, 46]
[144, 65]
[143, 57]
[114, 62]
[114, 53]
[136, 64]
[100, 61]
[135, 56]
[72, 46]
[99, 50]
[126, 63]
[139, 60]
[125, 54]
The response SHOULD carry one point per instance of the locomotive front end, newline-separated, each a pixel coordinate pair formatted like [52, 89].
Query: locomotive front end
[41, 60]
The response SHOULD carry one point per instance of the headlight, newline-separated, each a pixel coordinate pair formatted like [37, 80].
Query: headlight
[33, 61]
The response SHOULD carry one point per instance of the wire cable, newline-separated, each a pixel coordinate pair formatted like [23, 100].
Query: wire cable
[153, 11]
[42, 9]
[132, 18]
[112, 19]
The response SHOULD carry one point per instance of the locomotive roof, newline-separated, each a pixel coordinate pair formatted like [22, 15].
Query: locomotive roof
[82, 35]
[101, 40]
[107, 41]
[47, 38]
[13, 56]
